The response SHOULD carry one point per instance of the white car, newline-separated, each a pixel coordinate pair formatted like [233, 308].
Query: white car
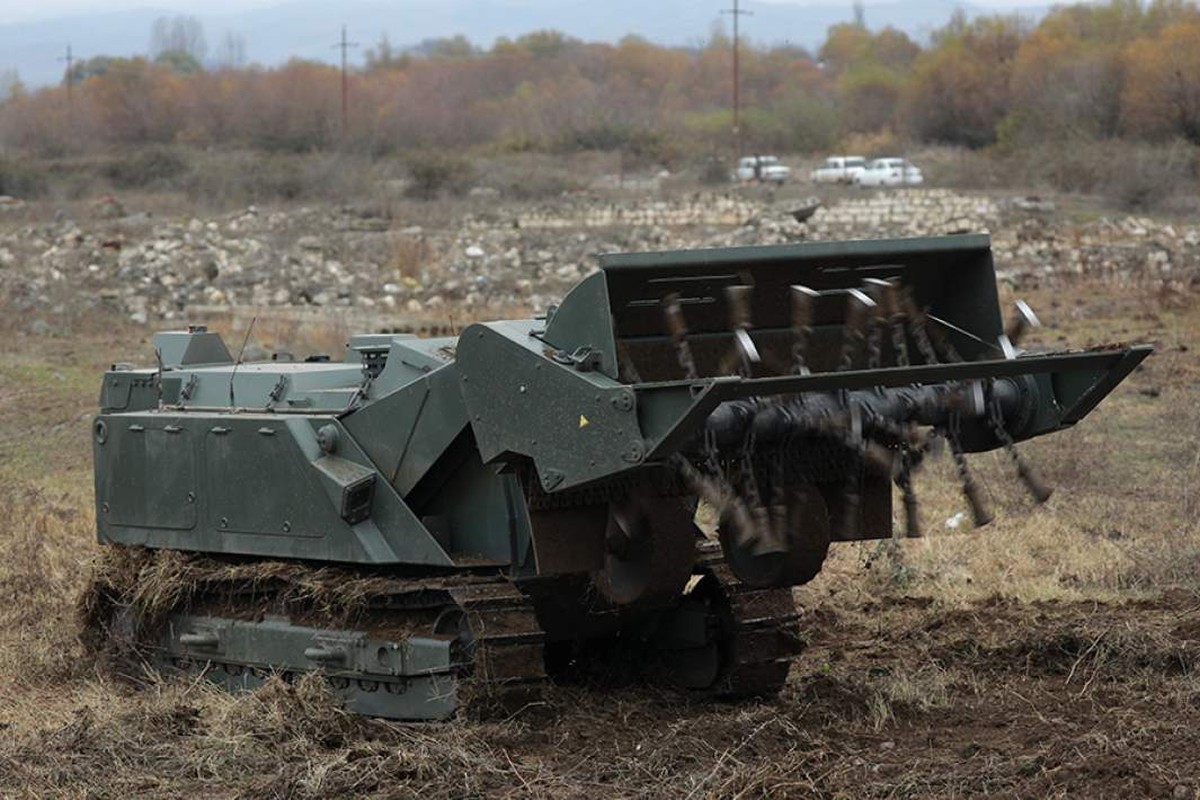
[838, 169]
[767, 169]
[890, 172]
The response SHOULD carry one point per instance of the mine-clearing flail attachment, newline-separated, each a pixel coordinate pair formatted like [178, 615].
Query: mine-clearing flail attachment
[440, 525]
[790, 387]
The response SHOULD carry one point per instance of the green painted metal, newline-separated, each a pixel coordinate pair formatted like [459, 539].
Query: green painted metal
[211, 483]
[484, 480]
[879, 250]
[576, 425]
[194, 346]
[136, 390]
[414, 677]
[427, 440]
[581, 326]
[406, 431]
[953, 275]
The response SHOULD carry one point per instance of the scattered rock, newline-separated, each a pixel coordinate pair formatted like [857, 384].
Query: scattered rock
[528, 254]
[1032, 203]
[957, 520]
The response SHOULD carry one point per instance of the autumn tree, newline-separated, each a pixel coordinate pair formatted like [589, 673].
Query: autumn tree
[292, 108]
[10, 85]
[133, 101]
[385, 56]
[447, 47]
[845, 44]
[1085, 72]
[93, 67]
[1070, 72]
[868, 97]
[181, 34]
[546, 44]
[1064, 88]
[1161, 97]
[179, 62]
[960, 87]
[870, 72]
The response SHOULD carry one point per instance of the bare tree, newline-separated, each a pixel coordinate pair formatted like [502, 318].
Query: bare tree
[179, 34]
[10, 84]
[860, 14]
[385, 56]
[231, 52]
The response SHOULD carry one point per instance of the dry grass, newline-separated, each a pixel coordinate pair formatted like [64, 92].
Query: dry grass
[1043, 656]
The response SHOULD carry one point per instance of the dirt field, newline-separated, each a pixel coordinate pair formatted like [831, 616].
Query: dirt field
[1054, 653]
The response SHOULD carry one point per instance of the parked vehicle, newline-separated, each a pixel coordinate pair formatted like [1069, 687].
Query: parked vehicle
[764, 169]
[890, 172]
[838, 169]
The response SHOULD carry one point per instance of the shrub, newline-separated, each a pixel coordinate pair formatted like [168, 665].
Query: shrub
[149, 168]
[714, 171]
[1146, 178]
[233, 179]
[21, 179]
[433, 173]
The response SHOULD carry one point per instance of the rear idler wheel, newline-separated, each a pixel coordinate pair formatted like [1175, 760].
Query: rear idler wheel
[726, 640]
[694, 641]
[801, 532]
[650, 548]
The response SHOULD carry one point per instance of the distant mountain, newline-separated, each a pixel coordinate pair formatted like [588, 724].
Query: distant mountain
[309, 28]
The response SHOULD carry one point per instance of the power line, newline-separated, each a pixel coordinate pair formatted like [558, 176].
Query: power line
[736, 13]
[343, 45]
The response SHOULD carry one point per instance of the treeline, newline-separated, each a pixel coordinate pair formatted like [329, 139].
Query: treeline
[1085, 72]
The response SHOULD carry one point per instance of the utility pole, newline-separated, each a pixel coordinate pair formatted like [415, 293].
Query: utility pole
[343, 45]
[70, 59]
[736, 13]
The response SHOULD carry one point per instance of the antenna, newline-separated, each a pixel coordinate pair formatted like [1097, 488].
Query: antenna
[158, 372]
[736, 12]
[238, 363]
[343, 45]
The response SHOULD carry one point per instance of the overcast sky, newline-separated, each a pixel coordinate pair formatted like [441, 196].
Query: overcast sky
[28, 10]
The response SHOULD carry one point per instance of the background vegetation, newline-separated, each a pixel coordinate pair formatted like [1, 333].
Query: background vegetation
[1084, 73]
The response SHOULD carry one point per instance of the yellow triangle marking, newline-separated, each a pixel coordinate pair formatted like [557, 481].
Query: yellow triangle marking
[583, 421]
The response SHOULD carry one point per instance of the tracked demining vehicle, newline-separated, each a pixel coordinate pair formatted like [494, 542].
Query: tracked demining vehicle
[430, 523]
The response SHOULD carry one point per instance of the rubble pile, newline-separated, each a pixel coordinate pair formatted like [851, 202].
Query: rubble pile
[698, 209]
[519, 256]
[905, 212]
[1127, 251]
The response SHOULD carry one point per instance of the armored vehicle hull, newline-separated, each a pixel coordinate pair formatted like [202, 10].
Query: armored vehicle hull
[435, 521]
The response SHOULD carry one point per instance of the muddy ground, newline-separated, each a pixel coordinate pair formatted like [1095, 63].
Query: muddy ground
[1053, 654]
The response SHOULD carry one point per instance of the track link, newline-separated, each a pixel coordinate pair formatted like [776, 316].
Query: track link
[391, 647]
[426, 648]
[764, 637]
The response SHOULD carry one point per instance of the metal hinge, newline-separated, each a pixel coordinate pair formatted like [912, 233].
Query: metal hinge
[189, 388]
[584, 358]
